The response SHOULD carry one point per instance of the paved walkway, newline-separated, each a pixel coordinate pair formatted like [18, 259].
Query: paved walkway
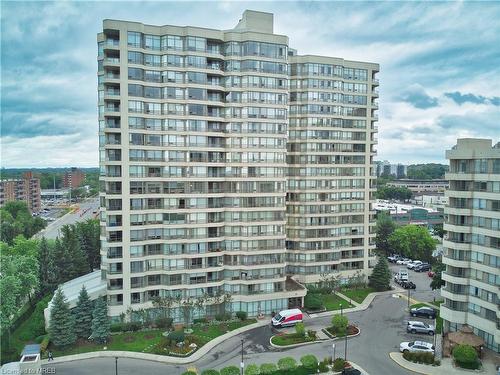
[446, 367]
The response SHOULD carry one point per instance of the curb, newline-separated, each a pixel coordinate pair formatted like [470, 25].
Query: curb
[158, 357]
[312, 342]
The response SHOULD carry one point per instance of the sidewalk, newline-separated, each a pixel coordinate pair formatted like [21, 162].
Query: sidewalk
[446, 367]
[358, 306]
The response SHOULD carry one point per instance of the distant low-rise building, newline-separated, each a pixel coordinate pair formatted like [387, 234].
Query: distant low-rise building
[404, 214]
[25, 189]
[73, 178]
[434, 201]
[421, 187]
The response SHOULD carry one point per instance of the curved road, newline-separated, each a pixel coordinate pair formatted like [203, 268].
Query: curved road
[382, 329]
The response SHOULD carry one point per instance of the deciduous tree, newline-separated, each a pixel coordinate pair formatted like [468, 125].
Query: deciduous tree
[414, 242]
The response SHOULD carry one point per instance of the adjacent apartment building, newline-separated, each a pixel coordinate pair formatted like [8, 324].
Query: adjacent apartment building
[73, 178]
[472, 245]
[230, 164]
[25, 189]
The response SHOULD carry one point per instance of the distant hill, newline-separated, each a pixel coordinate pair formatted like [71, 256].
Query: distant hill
[428, 171]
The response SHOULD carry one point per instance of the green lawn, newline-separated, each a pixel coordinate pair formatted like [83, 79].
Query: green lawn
[439, 320]
[130, 341]
[290, 339]
[358, 295]
[437, 303]
[145, 341]
[332, 302]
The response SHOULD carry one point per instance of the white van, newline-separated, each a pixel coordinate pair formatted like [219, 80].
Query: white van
[402, 275]
[286, 318]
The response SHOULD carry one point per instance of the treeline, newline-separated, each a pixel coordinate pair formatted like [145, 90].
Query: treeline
[50, 175]
[429, 171]
[16, 219]
[33, 268]
[393, 192]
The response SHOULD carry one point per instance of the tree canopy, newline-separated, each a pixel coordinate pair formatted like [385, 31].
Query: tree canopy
[414, 242]
[16, 219]
[429, 171]
[385, 228]
[393, 192]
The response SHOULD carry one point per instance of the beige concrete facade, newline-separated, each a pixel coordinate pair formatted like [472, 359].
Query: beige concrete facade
[193, 127]
[472, 244]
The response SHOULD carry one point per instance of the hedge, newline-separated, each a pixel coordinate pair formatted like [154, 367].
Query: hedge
[230, 370]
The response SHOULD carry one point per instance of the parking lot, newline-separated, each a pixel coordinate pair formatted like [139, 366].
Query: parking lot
[423, 291]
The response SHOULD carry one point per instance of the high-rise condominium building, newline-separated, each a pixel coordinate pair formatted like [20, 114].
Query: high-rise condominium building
[472, 247]
[73, 178]
[25, 189]
[193, 129]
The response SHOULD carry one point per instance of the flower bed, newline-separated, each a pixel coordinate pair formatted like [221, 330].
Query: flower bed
[351, 331]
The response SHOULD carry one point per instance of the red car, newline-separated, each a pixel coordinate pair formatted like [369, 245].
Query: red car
[430, 273]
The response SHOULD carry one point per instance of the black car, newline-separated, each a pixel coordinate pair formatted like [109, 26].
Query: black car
[424, 311]
[408, 285]
[422, 267]
[351, 371]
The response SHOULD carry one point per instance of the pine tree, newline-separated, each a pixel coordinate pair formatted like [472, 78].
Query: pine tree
[83, 315]
[100, 321]
[381, 276]
[69, 240]
[45, 267]
[61, 262]
[61, 325]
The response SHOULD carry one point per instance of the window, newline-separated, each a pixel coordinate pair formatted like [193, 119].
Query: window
[134, 39]
[152, 42]
[173, 42]
[196, 44]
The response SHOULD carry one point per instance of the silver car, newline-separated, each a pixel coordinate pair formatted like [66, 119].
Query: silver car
[414, 326]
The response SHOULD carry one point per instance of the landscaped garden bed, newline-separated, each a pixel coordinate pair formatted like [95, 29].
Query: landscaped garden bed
[340, 327]
[299, 337]
[423, 358]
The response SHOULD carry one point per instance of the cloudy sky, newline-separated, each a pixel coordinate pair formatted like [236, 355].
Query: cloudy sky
[440, 68]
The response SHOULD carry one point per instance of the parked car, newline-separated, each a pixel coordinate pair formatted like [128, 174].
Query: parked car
[408, 285]
[401, 276]
[431, 273]
[412, 265]
[403, 261]
[351, 371]
[416, 346]
[286, 318]
[422, 267]
[414, 326]
[424, 311]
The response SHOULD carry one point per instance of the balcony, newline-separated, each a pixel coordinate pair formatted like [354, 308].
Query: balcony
[375, 82]
[111, 44]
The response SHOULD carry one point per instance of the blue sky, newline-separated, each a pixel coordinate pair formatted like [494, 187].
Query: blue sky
[440, 68]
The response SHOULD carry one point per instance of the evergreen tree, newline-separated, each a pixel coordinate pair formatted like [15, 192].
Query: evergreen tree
[83, 315]
[61, 325]
[381, 276]
[69, 241]
[100, 321]
[61, 262]
[88, 234]
[45, 267]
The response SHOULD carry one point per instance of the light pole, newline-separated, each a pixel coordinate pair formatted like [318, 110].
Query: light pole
[116, 365]
[333, 358]
[242, 364]
[408, 299]
[345, 347]
[341, 310]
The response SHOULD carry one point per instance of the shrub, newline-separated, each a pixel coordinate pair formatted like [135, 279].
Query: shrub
[117, 327]
[312, 301]
[230, 370]
[241, 315]
[323, 365]
[223, 317]
[427, 358]
[338, 364]
[252, 370]
[200, 320]
[164, 322]
[210, 372]
[466, 356]
[311, 333]
[131, 326]
[300, 329]
[287, 363]
[45, 344]
[268, 369]
[339, 324]
[177, 336]
[189, 373]
[309, 362]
